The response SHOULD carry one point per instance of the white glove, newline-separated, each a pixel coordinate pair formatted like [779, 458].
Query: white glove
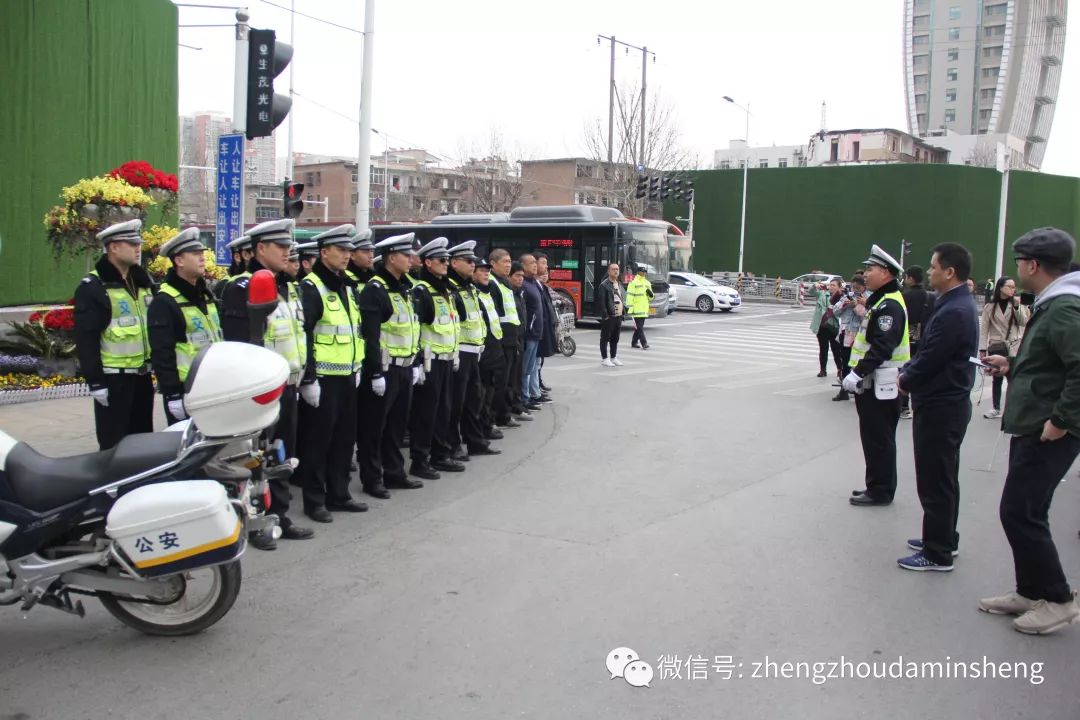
[176, 409]
[851, 382]
[101, 396]
[311, 393]
[457, 363]
[417, 375]
[357, 379]
[378, 386]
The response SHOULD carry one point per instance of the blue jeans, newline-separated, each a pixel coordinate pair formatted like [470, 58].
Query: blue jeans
[530, 374]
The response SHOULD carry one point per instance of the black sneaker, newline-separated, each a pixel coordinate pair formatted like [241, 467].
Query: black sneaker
[523, 416]
[544, 400]
[545, 388]
[534, 406]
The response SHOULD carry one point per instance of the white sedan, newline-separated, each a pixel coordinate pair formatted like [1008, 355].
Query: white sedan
[701, 293]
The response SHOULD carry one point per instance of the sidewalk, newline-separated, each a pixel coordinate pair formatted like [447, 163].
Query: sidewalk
[59, 427]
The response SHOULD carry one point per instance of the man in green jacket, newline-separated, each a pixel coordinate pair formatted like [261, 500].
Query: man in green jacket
[1042, 412]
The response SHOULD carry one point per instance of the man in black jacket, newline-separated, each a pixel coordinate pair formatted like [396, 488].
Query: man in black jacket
[919, 303]
[182, 320]
[534, 334]
[609, 305]
[939, 379]
[881, 348]
[111, 338]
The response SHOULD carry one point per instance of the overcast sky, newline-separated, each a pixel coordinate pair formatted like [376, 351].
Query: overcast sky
[448, 73]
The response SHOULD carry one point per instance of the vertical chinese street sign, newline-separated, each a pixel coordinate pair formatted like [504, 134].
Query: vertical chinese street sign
[230, 195]
[260, 83]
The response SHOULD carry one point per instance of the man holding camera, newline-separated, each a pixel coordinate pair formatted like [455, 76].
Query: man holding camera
[881, 348]
[1042, 413]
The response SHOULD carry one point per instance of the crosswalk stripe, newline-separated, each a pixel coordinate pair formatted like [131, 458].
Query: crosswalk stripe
[618, 372]
[718, 373]
[788, 348]
[812, 390]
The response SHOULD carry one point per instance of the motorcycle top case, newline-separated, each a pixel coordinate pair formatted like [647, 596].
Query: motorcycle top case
[233, 388]
[173, 526]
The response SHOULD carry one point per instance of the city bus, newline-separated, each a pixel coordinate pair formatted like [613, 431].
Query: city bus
[580, 242]
[680, 247]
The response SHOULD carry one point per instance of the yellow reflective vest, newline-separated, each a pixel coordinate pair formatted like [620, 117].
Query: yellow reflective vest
[901, 353]
[201, 329]
[125, 343]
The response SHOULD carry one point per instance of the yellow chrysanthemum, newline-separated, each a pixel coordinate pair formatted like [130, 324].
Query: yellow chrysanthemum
[106, 189]
[156, 236]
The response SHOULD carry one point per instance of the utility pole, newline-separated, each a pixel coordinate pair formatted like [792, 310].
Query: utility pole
[645, 52]
[363, 162]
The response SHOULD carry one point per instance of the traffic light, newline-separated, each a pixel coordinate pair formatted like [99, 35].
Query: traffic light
[294, 198]
[267, 58]
[654, 188]
[687, 194]
[642, 187]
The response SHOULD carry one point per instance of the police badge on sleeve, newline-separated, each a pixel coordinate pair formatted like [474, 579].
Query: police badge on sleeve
[884, 323]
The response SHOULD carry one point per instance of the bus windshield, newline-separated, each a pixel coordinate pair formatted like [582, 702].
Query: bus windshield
[647, 246]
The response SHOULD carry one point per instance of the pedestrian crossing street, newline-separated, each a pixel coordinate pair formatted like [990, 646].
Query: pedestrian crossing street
[779, 357]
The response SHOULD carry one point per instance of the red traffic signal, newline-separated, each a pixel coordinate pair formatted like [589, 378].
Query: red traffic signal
[294, 198]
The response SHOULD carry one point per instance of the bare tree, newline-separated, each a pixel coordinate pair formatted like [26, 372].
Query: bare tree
[492, 174]
[983, 154]
[664, 148]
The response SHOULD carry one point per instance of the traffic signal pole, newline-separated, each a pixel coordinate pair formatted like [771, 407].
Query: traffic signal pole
[240, 98]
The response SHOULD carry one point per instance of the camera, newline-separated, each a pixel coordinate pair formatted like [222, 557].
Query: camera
[847, 292]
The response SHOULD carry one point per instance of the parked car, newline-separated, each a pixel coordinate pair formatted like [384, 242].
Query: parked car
[814, 278]
[697, 292]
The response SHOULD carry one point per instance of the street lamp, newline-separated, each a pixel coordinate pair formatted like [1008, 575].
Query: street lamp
[745, 177]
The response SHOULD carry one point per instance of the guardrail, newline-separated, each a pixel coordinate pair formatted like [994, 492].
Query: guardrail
[765, 289]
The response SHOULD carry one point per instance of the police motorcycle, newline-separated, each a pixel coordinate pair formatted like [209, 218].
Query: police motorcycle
[141, 526]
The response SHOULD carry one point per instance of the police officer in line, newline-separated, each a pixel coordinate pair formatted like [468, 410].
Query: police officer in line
[361, 266]
[242, 253]
[472, 334]
[359, 271]
[429, 417]
[328, 389]
[510, 320]
[881, 347]
[391, 366]
[111, 338]
[284, 334]
[182, 320]
[309, 253]
[492, 361]
[293, 268]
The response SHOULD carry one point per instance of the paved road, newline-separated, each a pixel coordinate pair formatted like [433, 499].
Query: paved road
[692, 503]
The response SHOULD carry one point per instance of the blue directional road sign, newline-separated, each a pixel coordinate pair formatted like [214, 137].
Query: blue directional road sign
[230, 195]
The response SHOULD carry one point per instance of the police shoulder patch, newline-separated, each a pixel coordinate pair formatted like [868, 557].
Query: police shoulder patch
[885, 323]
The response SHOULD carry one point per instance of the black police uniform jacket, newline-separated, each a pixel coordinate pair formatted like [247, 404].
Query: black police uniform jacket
[884, 329]
[93, 313]
[167, 327]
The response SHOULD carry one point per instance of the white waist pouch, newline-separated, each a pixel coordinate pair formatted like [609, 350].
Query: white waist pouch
[885, 383]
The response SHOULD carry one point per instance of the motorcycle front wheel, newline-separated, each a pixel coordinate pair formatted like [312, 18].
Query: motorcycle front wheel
[203, 596]
[568, 346]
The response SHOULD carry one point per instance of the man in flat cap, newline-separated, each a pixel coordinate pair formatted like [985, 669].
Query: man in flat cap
[111, 338]
[328, 389]
[284, 334]
[183, 319]
[940, 379]
[392, 365]
[465, 407]
[1042, 413]
[881, 347]
[429, 419]
[492, 362]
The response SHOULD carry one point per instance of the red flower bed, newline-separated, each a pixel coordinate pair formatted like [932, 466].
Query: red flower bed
[62, 319]
[142, 174]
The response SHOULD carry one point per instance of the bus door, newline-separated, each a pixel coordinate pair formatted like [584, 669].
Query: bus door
[599, 253]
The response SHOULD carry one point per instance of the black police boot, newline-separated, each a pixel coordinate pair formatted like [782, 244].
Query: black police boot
[263, 540]
[494, 434]
[460, 455]
[448, 465]
[421, 469]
